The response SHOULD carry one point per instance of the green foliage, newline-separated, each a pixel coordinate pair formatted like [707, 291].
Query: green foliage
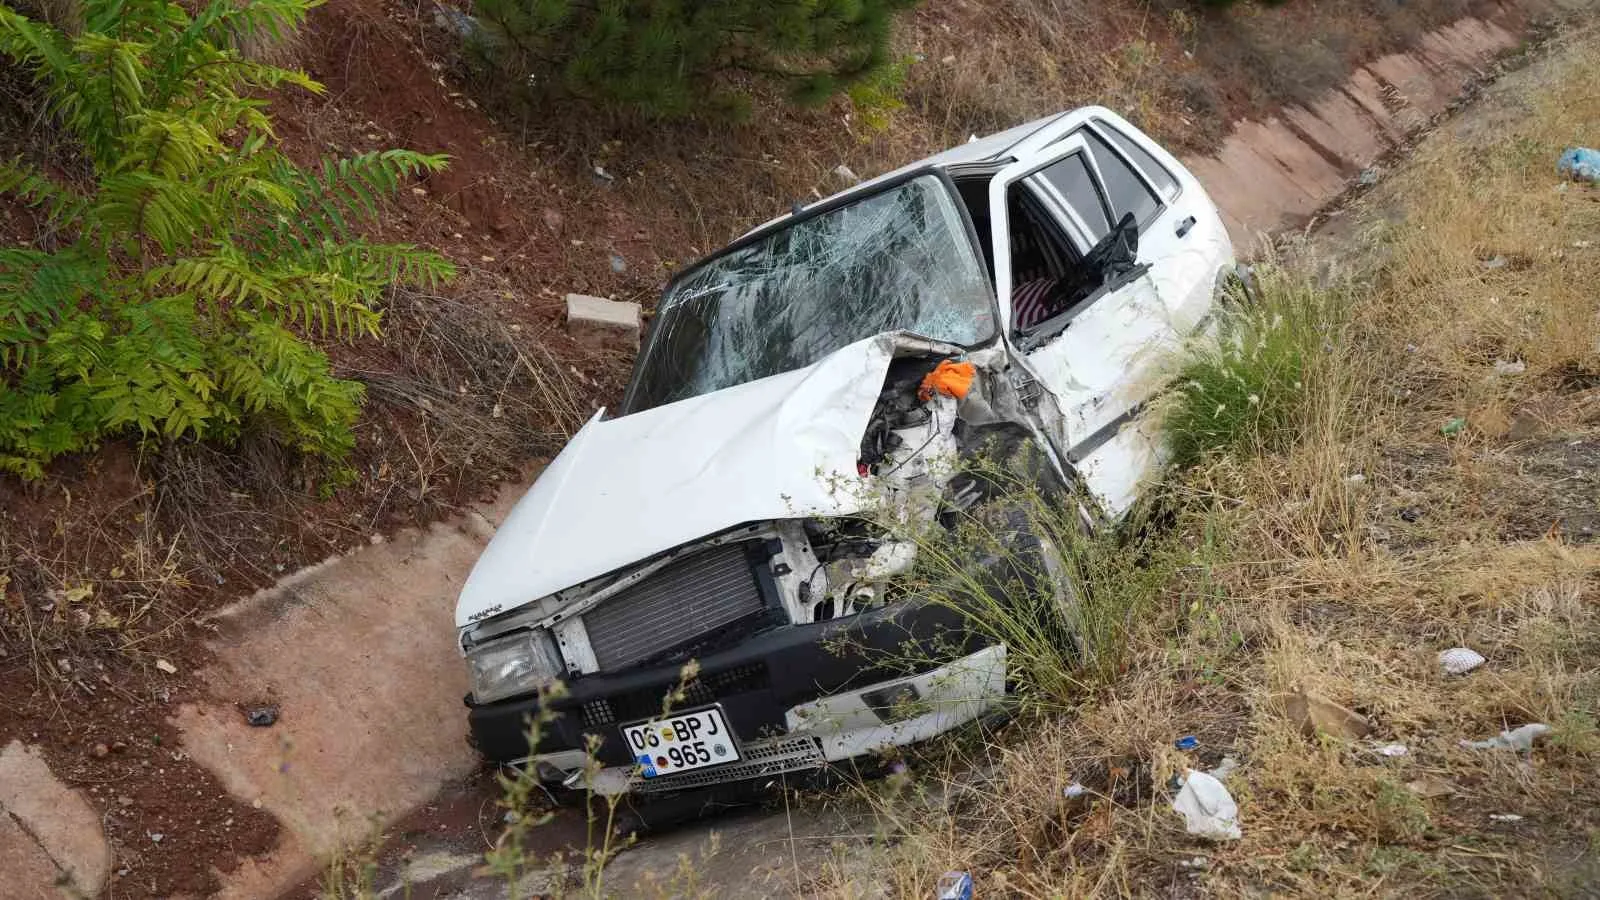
[671, 59]
[187, 270]
[876, 97]
[1027, 572]
[1255, 386]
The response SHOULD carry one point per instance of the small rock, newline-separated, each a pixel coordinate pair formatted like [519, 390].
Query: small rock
[156, 836]
[124, 801]
[375, 539]
[1459, 660]
[1494, 262]
[261, 716]
[1511, 367]
[100, 751]
[1410, 514]
[166, 667]
[845, 174]
[1368, 177]
[1430, 786]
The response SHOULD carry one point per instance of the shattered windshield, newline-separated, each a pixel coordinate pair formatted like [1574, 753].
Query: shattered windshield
[897, 260]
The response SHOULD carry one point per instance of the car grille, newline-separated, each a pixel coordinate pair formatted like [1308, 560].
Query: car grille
[647, 703]
[687, 599]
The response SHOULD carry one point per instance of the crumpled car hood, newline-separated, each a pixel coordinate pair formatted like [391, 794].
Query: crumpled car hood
[626, 489]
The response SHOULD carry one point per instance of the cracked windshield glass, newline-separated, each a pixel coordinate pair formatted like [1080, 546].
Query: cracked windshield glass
[899, 260]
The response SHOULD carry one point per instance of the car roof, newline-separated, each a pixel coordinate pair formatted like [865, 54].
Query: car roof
[973, 152]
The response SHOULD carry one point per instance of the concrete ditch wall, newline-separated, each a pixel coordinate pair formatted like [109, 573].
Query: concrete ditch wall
[1272, 175]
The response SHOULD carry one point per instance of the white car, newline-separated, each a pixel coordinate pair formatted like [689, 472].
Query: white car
[713, 517]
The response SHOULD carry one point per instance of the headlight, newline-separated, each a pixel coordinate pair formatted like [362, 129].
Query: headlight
[518, 664]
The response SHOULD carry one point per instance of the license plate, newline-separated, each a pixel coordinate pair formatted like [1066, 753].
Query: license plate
[680, 743]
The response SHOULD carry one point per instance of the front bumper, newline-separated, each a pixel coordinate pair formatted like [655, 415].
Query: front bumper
[791, 694]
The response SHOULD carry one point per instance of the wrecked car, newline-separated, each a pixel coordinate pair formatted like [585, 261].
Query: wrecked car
[1038, 277]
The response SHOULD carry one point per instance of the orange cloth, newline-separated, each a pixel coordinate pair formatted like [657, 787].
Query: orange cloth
[951, 379]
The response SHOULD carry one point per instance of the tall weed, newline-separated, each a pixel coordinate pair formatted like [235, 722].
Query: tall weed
[1254, 385]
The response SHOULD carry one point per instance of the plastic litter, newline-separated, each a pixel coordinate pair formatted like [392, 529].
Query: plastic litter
[1207, 807]
[952, 379]
[1187, 742]
[1318, 715]
[953, 886]
[1224, 768]
[1515, 739]
[1459, 660]
[1410, 513]
[1510, 367]
[1393, 750]
[1580, 164]
[1494, 262]
[1504, 817]
[1453, 427]
[1074, 790]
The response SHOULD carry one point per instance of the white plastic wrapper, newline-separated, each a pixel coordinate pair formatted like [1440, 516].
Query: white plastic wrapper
[1459, 660]
[1207, 807]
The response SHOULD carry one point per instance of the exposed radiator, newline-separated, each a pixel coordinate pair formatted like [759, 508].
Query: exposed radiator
[689, 598]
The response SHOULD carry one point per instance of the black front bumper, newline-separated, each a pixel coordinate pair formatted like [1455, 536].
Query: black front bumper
[755, 682]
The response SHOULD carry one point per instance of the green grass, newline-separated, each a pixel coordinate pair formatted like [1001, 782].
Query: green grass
[1251, 386]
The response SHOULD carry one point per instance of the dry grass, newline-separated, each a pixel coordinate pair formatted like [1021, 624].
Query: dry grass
[1299, 576]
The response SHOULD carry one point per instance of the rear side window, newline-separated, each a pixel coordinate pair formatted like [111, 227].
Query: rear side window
[1125, 190]
[1072, 178]
[1166, 185]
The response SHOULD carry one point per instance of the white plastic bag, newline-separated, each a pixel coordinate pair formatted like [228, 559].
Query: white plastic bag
[1515, 739]
[1207, 807]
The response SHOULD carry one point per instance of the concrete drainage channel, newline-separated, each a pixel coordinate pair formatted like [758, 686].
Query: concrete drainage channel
[358, 653]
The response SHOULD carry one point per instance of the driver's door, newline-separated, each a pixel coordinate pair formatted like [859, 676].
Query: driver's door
[1100, 361]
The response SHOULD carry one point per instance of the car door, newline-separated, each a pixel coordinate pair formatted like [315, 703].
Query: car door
[1099, 361]
[1184, 237]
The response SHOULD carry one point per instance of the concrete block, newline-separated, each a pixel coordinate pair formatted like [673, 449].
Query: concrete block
[56, 817]
[600, 322]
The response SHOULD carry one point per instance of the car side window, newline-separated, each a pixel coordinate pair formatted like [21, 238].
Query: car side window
[1075, 182]
[1166, 184]
[1124, 188]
